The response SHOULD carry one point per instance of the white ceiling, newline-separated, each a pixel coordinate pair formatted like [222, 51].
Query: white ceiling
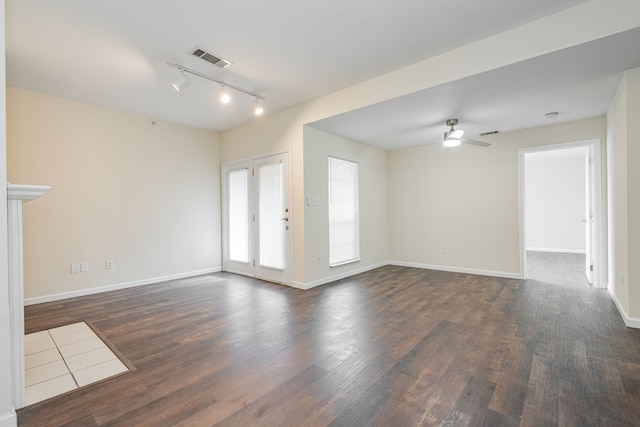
[114, 53]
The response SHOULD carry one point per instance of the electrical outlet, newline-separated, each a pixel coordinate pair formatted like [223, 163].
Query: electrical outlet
[317, 260]
[109, 265]
[444, 250]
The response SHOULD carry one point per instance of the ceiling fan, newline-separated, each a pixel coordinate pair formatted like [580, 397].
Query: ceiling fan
[454, 137]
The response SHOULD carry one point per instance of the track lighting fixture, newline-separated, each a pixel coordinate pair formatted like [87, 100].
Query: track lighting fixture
[181, 83]
[225, 98]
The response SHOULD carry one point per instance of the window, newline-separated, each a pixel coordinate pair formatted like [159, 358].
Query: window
[344, 227]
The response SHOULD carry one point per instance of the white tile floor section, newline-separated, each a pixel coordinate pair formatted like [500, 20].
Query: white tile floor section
[65, 358]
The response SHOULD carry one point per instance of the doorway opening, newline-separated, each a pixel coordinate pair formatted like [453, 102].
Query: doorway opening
[561, 207]
[256, 217]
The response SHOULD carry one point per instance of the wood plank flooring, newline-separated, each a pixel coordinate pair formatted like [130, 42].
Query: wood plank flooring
[392, 347]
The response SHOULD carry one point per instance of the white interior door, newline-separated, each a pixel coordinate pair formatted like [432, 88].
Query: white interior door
[256, 218]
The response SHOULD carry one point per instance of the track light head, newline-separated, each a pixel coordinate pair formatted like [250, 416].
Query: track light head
[181, 83]
[225, 98]
[258, 109]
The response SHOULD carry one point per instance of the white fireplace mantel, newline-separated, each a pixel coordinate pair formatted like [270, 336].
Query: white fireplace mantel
[26, 192]
[16, 195]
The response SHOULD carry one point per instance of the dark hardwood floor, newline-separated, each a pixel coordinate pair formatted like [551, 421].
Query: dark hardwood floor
[392, 347]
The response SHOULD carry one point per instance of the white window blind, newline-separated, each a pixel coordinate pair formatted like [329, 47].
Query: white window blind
[238, 216]
[344, 226]
[270, 216]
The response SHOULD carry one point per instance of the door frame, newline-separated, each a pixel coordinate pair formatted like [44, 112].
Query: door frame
[598, 237]
[252, 206]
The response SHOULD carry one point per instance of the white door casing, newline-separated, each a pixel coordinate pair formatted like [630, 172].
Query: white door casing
[594, 221]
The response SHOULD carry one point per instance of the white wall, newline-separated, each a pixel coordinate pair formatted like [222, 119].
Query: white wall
[125, 189]
[555, 200]
[466, 200]
[373, 204]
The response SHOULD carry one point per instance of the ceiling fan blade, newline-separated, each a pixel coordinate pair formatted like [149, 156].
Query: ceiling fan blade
[474, 142]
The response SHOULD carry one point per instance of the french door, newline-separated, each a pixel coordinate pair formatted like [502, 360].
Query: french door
[256, 218]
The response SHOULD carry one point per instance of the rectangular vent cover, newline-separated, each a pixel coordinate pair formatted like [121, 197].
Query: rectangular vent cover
[209, 57]
[493, 132]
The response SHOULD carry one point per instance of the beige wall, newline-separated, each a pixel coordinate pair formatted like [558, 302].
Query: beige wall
[466, 199]
[125, 189]
[373, 203]
[617, 189]
[624, 196]
[633, 189]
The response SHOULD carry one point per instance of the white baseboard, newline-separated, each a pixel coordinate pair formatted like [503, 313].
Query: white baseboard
[491, 273]
[116, 286]
[9, 420]
[324, 281]
[556, 250]
[631, 322]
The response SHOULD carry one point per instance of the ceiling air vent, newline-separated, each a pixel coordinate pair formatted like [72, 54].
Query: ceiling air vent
[493, 132]
[209, 57]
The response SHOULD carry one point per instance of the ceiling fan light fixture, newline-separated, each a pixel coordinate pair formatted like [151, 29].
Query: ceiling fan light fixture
[457, 134]
[452, 137]
[454, 134]
[451, 142]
